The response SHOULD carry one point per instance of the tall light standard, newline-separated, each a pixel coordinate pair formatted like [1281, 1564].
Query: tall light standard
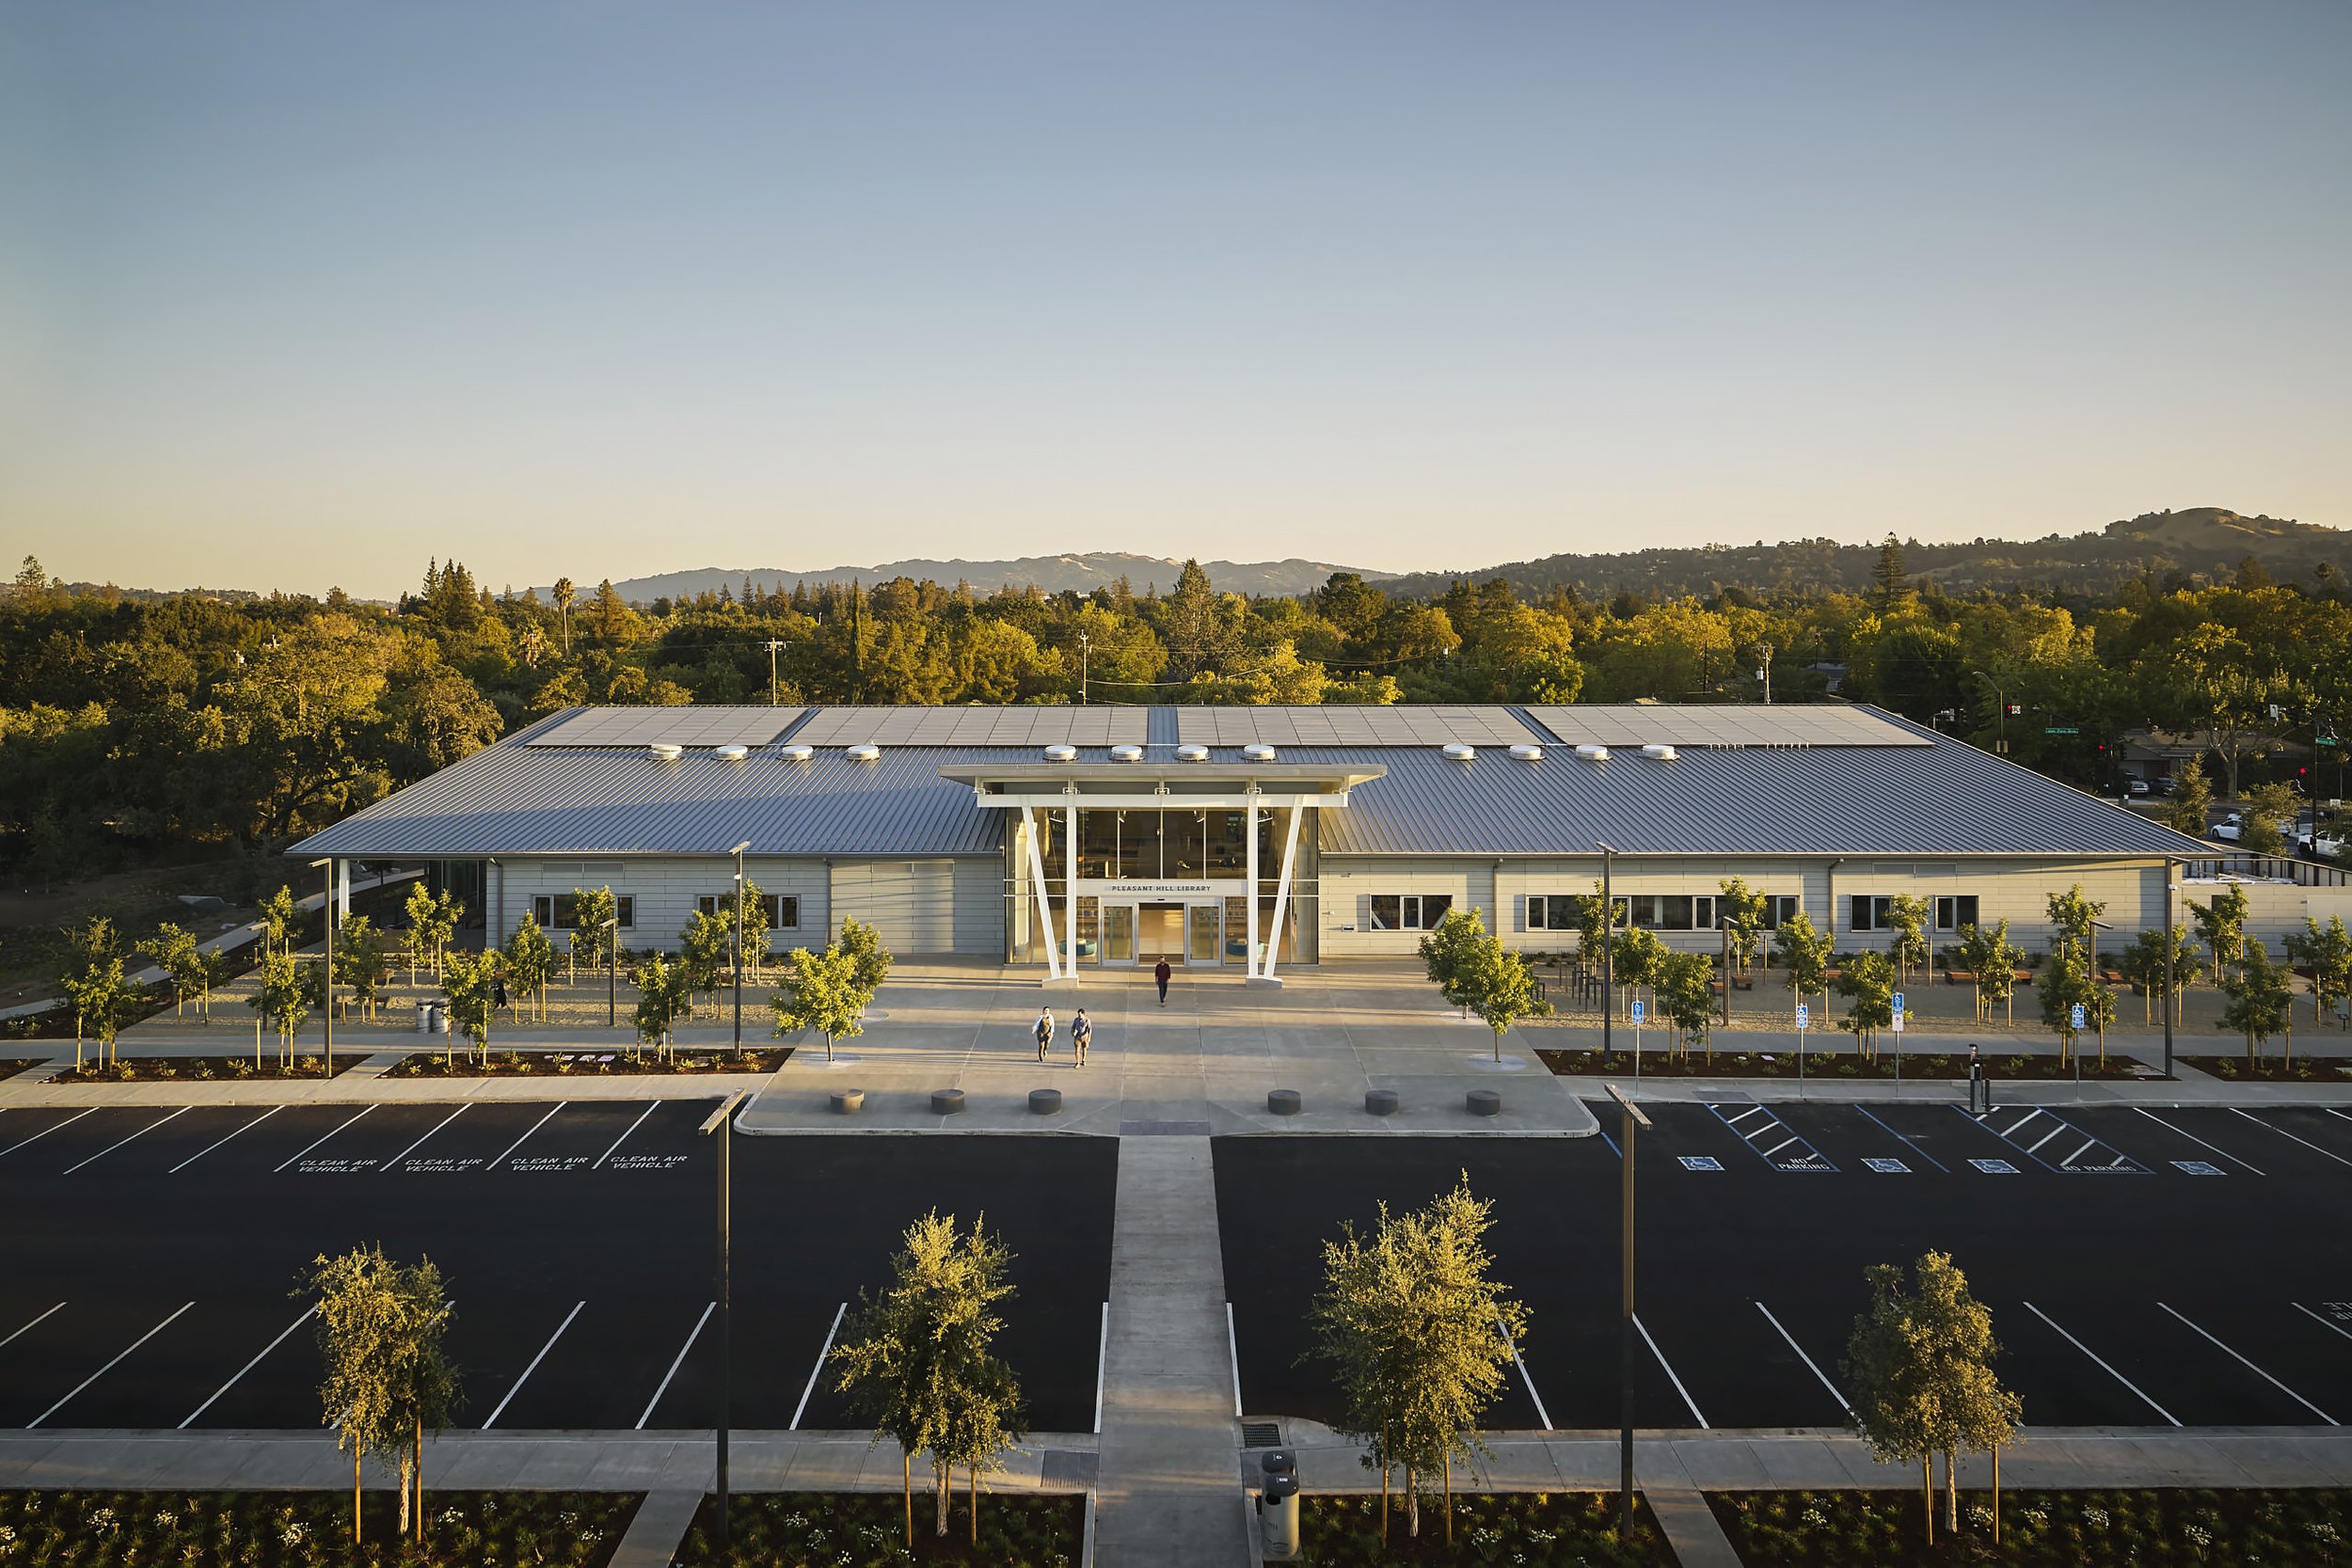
[2000, 711]
[2097, 927]
[612, 972]
[774, 647]
[740, 888]
[721, 1121]
[1764, 671]
[326, 991]
[1608, 942]
[1632, 1117]
[2172, 889]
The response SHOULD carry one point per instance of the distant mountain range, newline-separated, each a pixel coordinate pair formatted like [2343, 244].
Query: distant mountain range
[2202, 542]
[1052, 573]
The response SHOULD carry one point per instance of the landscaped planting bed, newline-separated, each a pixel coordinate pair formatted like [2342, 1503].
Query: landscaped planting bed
[11, 1065]
[153, 1069]
[865, 1530]
[2269, 1069]
[308, 1530]
[464, 1062]
[1656, 1063]
[1534, 1529]
[2041, 1530]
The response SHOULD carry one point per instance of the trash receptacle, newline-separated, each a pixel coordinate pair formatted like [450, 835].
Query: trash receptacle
[1277, 1507]
[440, 1019]
[424, 1018]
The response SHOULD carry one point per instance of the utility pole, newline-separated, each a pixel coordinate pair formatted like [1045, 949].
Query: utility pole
[740, 888]
[1764, 674]
[2000, 709]
[1627, 1328]
[773, 648]
[1085, 650]
[721, 1121]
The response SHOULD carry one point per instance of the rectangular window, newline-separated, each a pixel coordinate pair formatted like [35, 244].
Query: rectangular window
[784, 909]
[1670, 911]
[1409, 912]
[1872, 913]
[1954, 912]
[1780, 908]
[555, 912]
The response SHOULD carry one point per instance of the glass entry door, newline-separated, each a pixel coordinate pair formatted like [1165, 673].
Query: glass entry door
[1205, 923]
[1160, 933]
[1120, 922]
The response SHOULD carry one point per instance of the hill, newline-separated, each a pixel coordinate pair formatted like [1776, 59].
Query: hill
[2202, 542]
[1052, 573]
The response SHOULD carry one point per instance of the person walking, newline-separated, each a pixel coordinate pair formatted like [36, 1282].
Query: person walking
[1081, 1034]
[1044, 1032]
[1161, 973]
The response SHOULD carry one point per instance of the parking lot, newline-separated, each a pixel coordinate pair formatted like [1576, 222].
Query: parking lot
[152, 1252]
[2144, 1268]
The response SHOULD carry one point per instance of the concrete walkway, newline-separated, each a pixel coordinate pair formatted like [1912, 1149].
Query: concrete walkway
[1168, 1491]
[657, 1529]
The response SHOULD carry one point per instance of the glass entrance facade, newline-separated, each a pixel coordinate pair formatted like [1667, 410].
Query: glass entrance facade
[1136, 868]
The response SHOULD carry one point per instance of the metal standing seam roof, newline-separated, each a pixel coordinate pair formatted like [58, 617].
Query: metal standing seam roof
[1941, 799]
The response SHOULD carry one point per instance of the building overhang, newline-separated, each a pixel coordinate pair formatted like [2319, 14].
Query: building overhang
[1130, 785]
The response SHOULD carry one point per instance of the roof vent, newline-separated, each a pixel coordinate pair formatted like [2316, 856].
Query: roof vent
[1192, 753]
[1593, 753]
[666, 752]
[1259, 752]
[1527, 753]
[1659, 754]
[1460, 752]
[1061, 753]
[799, 753]
[864, 750]
[732, 754]
[1127, 754]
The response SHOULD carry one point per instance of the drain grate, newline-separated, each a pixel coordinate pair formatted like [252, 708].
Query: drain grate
[1261, 1435]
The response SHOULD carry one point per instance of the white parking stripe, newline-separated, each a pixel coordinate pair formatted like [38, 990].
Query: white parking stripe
[140, 1134]
[1101, 1361]
[2256, 1371]
[624, 1137]
[674, 1365]
[2045, 1137]
[2089, 1144]
[1778, 1146]
[315, 1142]
[1807, 1359]
[1670, 1371]
[248, 1367]
[394, 1161]
[817, 1370]
[2101, 1365]
[534, 1365]
[44, 1133]
[2195, 1139]
[526, 1137]
[35, 1322]
[107, 1368]
[2012, 1133]
[2284, 1134]
[1751, 1110]
[2327, 1322]
[209, 1148]
[1541, 1414]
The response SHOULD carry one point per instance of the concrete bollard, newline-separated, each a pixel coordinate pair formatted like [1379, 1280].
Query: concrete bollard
[1486, 1102]
[1380, 1102]
[1285, 1102]
[1045, 1103]
[849, 1103]
[946, 1103]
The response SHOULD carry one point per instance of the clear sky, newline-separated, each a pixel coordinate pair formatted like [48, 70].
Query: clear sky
[302, 294]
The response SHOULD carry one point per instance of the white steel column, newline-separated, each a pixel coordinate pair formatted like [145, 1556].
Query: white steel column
[1249, 969]
[1029, 824]
[1282, 889]
[1069, 885]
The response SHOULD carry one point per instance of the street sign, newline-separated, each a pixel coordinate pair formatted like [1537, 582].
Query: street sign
[1804, 1015]
[2078, 1015]
[2061, 729]
[1899, 1001]
[1638, 1010]
[1899, 1024]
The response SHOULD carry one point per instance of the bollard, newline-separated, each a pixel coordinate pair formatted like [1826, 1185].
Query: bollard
[1380, 1102]
[946, 1103]
[1285, 1102]
[1045, 1103]
[1486, 1102]
[848, 1102]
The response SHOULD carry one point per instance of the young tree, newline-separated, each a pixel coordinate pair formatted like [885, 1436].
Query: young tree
[2065, 986]
[864, 944]
[1804, 952]
[417, 943]
[2191, 810]
[706, 952]
[173, 951]
[590, 908]
[2074, 916]
[1868, 980]
[279, 999]
[102, 1001]
[1909, 913]
[1418, 1334]
[821, 993]
[2262, 1000]
[1447, 954]
[2143, 964]
[278, 918]
[360, 962]
[1747, 909]
[1498, 987]
[664, 995]
[1593, 925]
[1684, 984]
[755, 927]
[2221, 926]
[469, 985]
[2327, 950]
[919, 1362]
[530, 961]
[447, 913]
[1979, 950]
[388, 1378]
[1635, 959]
[2266, 806]
[1919, 1364]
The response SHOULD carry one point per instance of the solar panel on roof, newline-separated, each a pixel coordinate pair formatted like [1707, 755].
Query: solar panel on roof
[1632, 724]
[677, 726]
[974, 726]
[1401, 726]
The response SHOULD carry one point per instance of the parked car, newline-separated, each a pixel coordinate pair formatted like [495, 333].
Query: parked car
[2140, 786]
[2328, 847]
[2231, 829]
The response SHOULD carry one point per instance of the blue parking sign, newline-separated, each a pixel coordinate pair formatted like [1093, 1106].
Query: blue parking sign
[1899, 1001]
[1637, 1010]
[1804, 1015]
[2078, 1015]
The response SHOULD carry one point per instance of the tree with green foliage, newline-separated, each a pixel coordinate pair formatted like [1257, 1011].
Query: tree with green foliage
[417, 943]
[756, 930]
[1593, 925]
[104, 999]
[279, 921]
[2261, 1001]
[1804, 953]
[2221, 926]
[280, 999]
[1684, 985]
[2067, 984]
[864, 944]
[2143, 963]
[1498, 986]
[706, 953]
[665, 993]
[382, 1332]
[530, 961]
[590, 941]
[919, 1362]
[1986, 952]
[2075, 917]
[1907, 913]
[821, 991]
[1407, 1323]
[1919, 1370]
[174, 951]
[470, 986]
[1747, 909]
[1448, 954]
[2191, 809]
[1868, 981]
[2328, 951]
[2266, 806]
[1635, 957]
[360, 961]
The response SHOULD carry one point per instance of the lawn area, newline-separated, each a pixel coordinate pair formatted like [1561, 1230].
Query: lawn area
[1656, 1063]
[1535, 1528]
[308, 1530]
[585, 1064]
[2041, 1530]
[864, 1529]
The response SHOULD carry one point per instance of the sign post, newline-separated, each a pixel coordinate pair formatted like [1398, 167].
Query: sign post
[1899, 1037]
[1638, 1009]
[2075, 1044]
[1804, 1016]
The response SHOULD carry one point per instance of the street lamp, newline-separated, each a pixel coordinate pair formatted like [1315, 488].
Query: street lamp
[721, 1121]
[613, 971]
[2000, 710]
[1608, 939]
[1764, 671]
[326, 991]
[2172, 889]
[1632, 1118]
[2097, 927]
[740, 887]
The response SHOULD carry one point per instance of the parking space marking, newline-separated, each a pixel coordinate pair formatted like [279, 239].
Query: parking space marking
[1909, 1144]
[2251, 1367]
[2284, 1134]
[1885, 1167]
[35, 1322]
[534, 1361]
[394, 1164]
[2329, 1323]
[526, 1137]
[2102, 1364]
[2194, 1138]
[1807, 1359]
[44, 1133]
[678, 1362]
[108, 1367]
[1688, 1402]
[1541, 1414]
[624, 1137]
[817, 1370]
[1233, 1350]
[209, 1148]
[2014, 1134]
[140, 1134]
[248, 1367]
[1783, 1137]
[323, 1137]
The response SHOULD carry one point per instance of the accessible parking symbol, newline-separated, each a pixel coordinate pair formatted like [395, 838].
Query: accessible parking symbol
[1994, 1168]
[1700, 1161]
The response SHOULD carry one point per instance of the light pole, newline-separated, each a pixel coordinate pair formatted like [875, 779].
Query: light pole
[1632, 1118]
[1086, 661]
[2096, 1010]
[773, 648]
[2172, 888]
[721, 1121]
[1764, 671]
[326, 991]
[1726, 923]
[740, 887]
[613, 973]
[1608, 958]
[2000, 711]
